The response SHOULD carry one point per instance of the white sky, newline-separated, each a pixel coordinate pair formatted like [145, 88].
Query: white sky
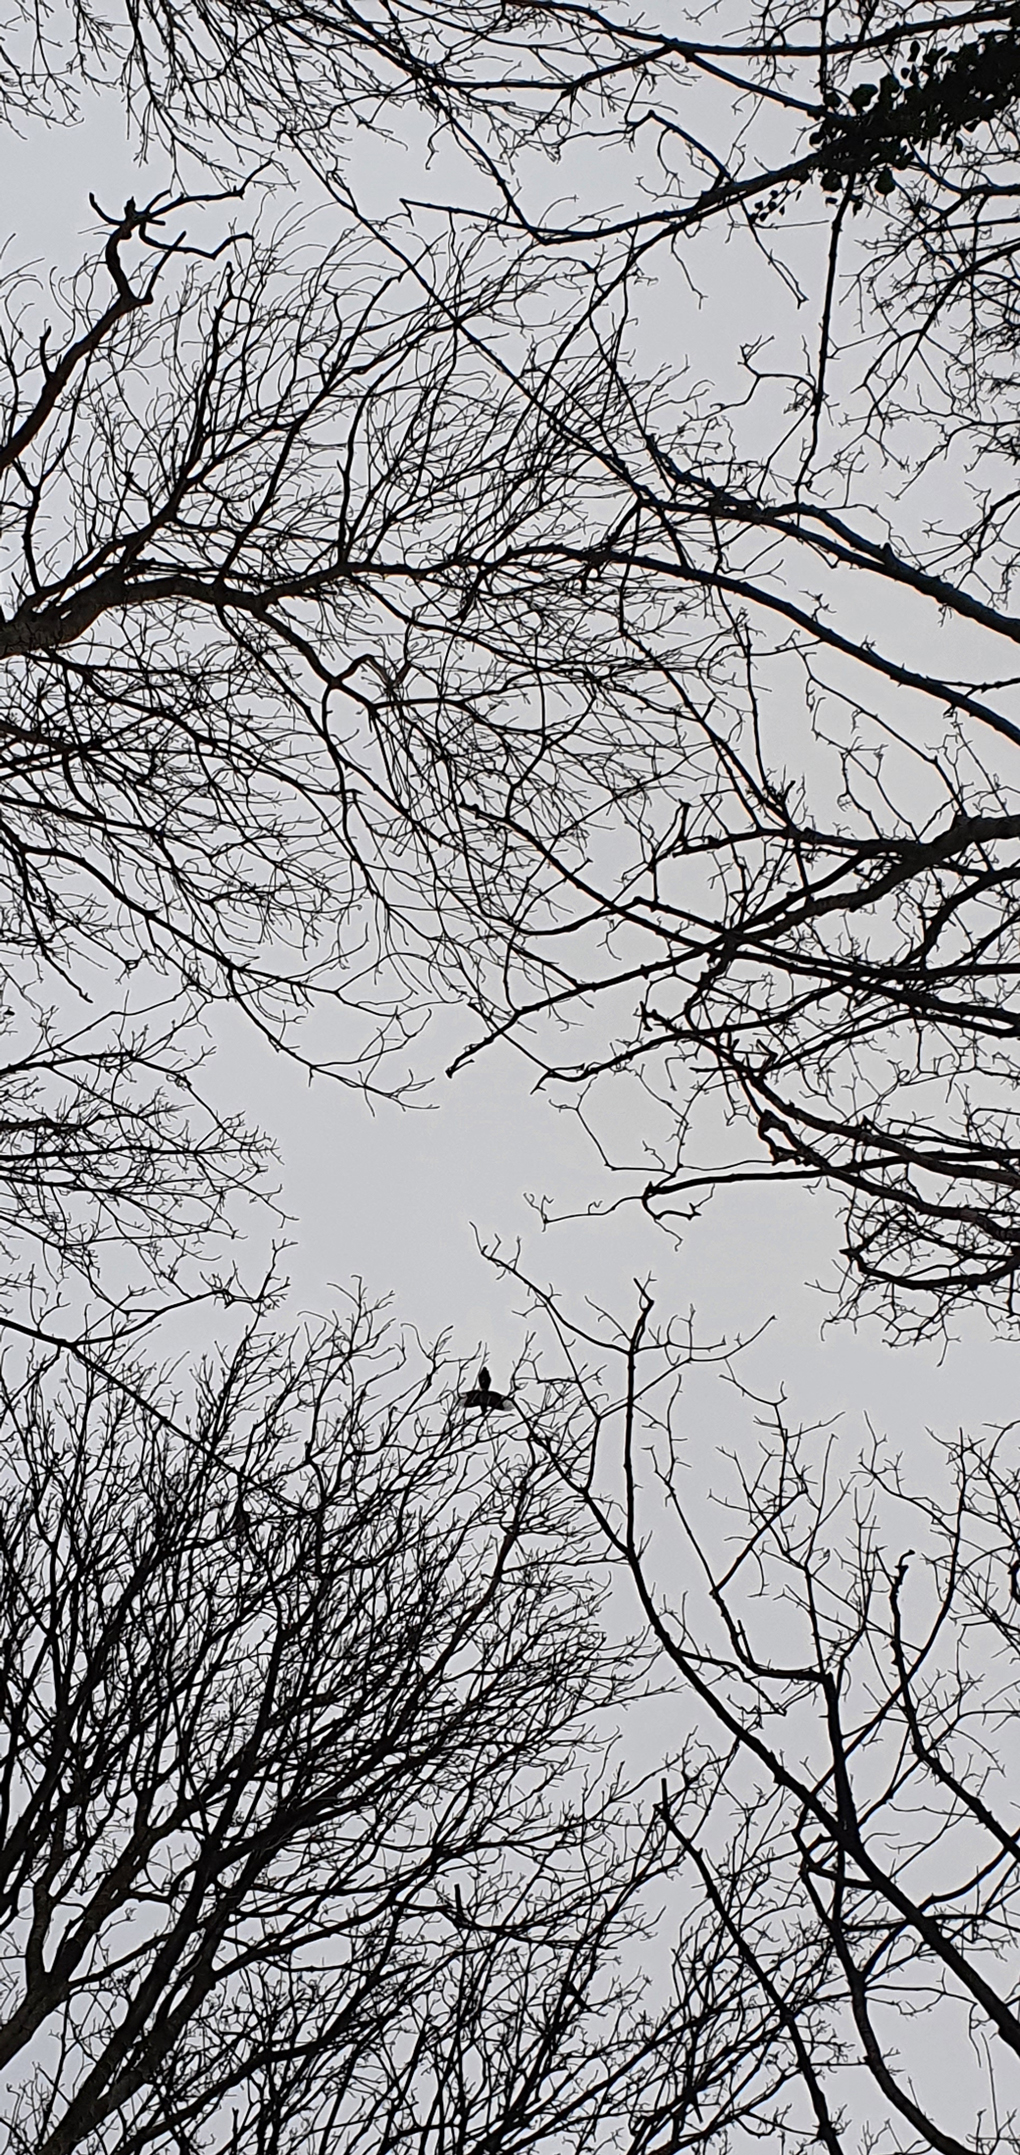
[397, 1198]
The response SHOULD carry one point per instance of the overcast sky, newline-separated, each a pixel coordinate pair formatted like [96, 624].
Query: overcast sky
[399, 1198]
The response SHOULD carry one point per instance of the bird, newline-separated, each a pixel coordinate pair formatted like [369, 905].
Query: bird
[483, 1397]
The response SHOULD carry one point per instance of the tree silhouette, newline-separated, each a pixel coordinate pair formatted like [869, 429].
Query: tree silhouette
[290, 1708]
[377, 627]
[838, 1640]
[553, 603]
[242, 723]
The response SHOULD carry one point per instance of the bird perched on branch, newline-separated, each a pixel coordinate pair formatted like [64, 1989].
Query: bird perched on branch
[483, 1397]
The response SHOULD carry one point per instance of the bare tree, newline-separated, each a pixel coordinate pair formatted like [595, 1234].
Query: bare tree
[304, 1835]
[808, 895]
[506, 712]
[248, 701]
[843, 1639]
[365, 639]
